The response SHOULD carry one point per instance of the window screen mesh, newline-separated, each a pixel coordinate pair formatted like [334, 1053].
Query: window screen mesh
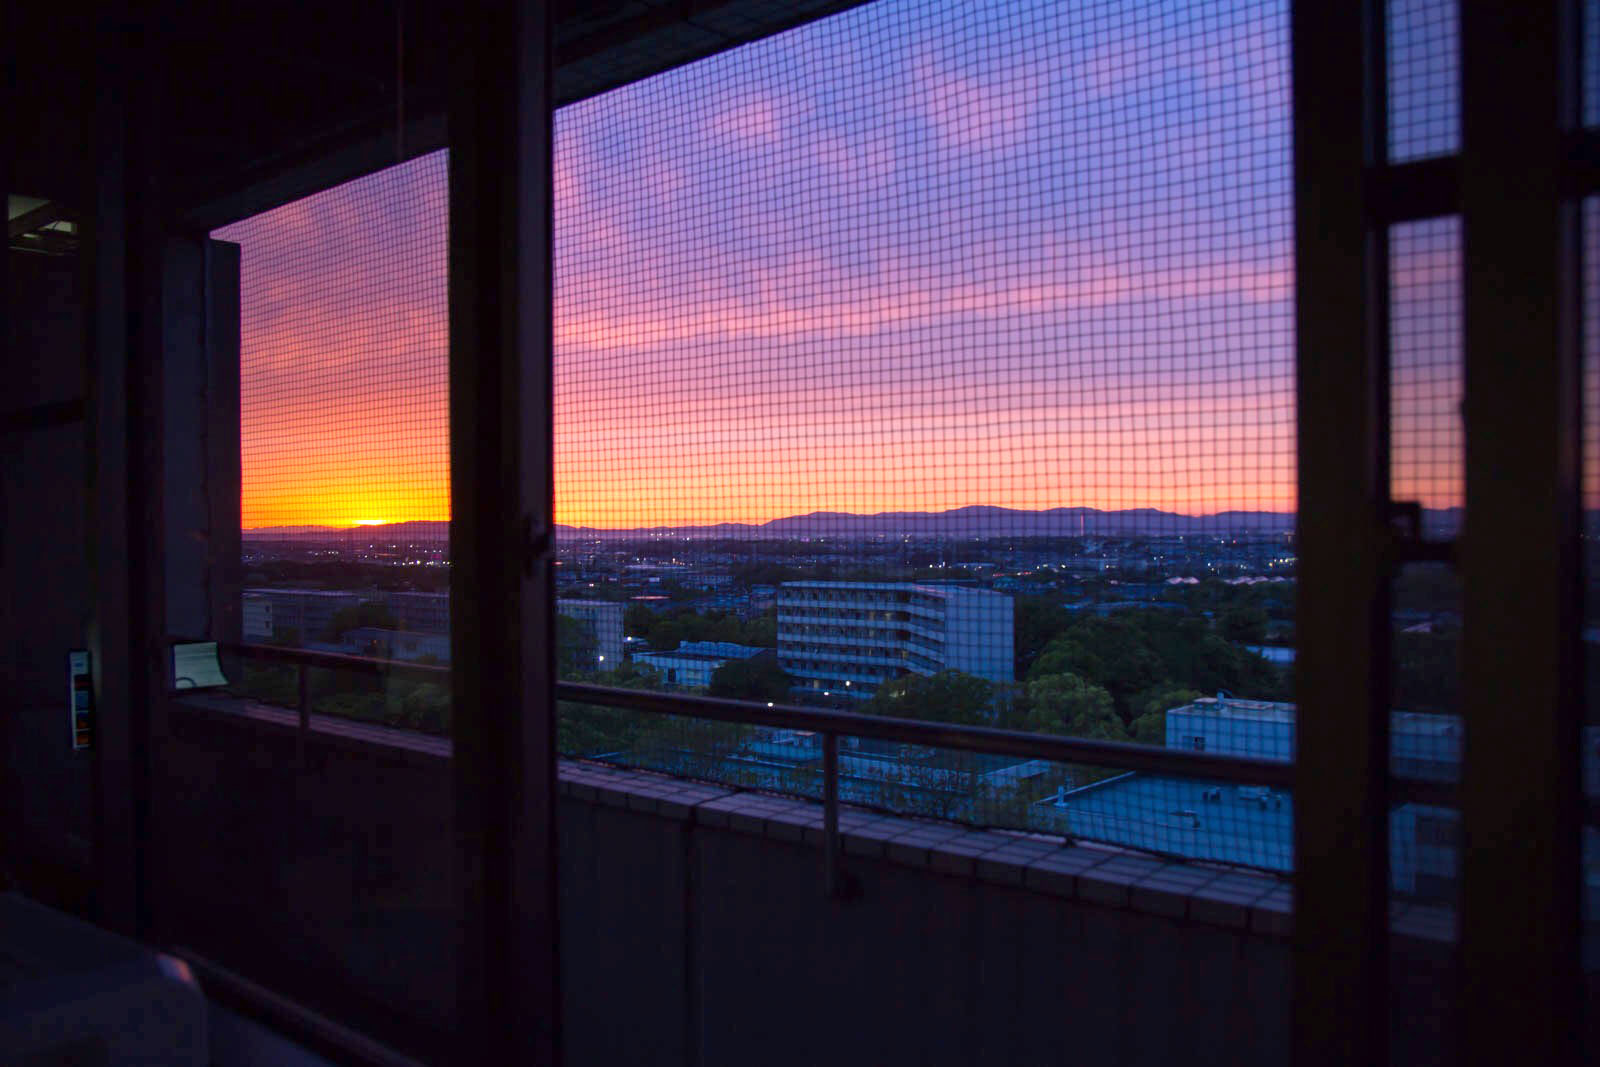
[921, 361]
[344, 372]
[1590, 748]
[1425, 358]
[1423, 78]
[344, 441]
[1426, 458]
[938, 361]
[1591, 62]
[342, 866]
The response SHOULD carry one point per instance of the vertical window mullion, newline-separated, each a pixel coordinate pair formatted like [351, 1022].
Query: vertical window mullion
[1341, 861]
[1520, 780]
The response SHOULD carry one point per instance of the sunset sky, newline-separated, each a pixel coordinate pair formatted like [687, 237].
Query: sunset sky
[916, 256]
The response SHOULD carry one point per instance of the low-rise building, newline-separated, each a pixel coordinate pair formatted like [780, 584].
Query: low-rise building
[1232, 822]
[692, 663]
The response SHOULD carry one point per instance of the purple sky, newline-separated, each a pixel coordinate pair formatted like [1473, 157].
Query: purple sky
[918, 255]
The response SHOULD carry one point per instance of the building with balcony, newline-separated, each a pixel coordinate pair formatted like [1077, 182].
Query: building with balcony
[845, 639]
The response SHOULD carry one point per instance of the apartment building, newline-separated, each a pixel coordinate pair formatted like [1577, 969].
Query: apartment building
[845, 639]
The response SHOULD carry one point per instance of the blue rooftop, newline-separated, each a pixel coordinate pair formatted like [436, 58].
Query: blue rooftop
[1239, 824]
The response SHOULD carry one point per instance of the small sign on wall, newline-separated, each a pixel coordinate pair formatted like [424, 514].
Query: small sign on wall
[195, 666]
[80, 698]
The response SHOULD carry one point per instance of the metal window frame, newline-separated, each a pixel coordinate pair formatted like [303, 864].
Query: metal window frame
[1341, 932]
[1521, 790]
[8, 138]
[502, 507]
[125, 262]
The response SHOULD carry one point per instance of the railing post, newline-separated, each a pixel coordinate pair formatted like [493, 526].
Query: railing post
[303, 705]
[830, 813]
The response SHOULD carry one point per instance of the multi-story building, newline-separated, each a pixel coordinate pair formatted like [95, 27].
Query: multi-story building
[420, 612]
[605, 616]
[306, 613]
[848, 638]
[257, 617]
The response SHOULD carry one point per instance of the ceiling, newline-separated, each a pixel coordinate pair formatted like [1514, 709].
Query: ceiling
[265, 102]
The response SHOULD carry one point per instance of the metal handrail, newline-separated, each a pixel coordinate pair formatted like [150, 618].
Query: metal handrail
[1122, 755]
[338, 661]
[832, 724]
[1181, 763]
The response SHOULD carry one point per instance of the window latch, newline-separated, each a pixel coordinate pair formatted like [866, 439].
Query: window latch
[535, 545]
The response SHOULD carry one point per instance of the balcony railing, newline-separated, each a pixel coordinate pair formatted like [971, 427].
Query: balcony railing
[830, 725]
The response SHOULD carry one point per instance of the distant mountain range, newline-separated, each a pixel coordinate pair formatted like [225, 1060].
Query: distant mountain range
[977, 521]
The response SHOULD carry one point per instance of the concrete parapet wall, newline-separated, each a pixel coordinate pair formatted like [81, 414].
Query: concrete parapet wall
[695, 926]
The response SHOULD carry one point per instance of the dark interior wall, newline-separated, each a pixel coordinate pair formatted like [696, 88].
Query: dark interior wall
[185, 404]
[44, 592]
[723, 949]
[327, 874]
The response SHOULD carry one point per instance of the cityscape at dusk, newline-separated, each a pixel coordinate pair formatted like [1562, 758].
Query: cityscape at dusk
[701, 532]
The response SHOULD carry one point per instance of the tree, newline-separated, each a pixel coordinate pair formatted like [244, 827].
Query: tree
[590, 730]
[637, 620]
[1038, 621]
[762, 631]
[576, 645]
[666, 635]
[1066, 704]
[427, 708]
[1149, 726]
[1243, 623]
[949, 696]
[368, 613]
[758, 678]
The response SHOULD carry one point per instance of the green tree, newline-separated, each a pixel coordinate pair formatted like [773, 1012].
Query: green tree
[427, 708]
[1243, 622]
[1039, 620]
[949, 696]
[576, 645]
[637, 620]
[728, 628]
[593, 730]
[666, 635]
[1067, 704]
[759, 678]
[367, 613]
[1149, 726]
[762, 631]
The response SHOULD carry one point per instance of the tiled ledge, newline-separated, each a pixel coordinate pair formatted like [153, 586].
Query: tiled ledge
[1103, 876]
[1100, 875]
